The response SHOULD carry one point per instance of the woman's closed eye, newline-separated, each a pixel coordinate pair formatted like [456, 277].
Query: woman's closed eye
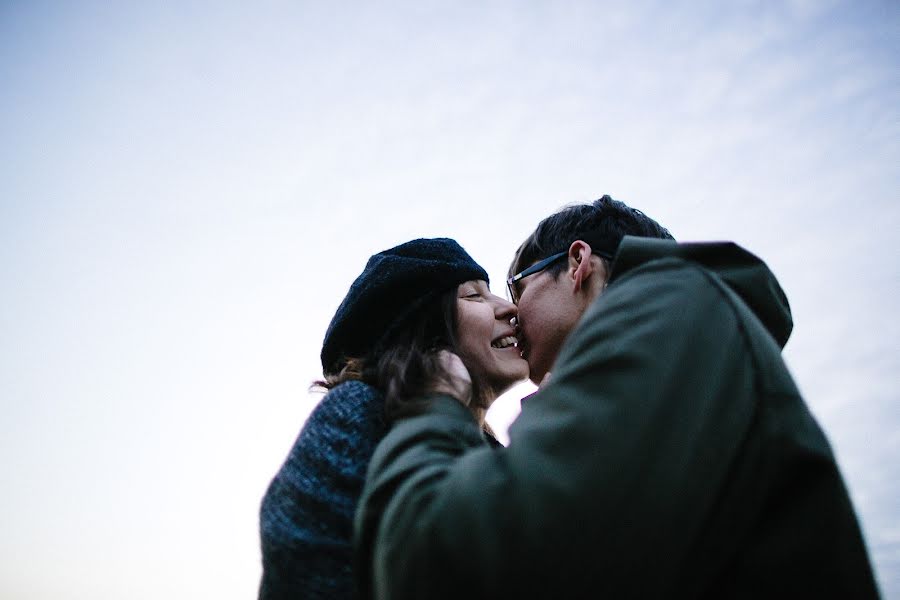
[473, 290]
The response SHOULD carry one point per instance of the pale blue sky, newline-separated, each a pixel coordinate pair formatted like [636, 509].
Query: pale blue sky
[186, 193]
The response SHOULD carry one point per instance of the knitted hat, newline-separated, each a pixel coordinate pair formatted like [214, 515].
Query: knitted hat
[394, 284]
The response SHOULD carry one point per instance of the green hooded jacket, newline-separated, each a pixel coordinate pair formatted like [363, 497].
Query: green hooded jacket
[671, 456]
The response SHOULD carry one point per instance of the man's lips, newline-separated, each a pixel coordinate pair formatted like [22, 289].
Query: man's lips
[523, 346]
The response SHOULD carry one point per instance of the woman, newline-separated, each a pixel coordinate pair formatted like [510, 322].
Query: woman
[382, 347]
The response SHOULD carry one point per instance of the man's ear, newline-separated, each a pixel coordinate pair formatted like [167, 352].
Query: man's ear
[580, 267]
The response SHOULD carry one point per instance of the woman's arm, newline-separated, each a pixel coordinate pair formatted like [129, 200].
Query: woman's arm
[306, 516]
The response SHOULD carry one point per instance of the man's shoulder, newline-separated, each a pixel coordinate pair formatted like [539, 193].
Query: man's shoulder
[651, 284]
[725, 268]
[639, 255]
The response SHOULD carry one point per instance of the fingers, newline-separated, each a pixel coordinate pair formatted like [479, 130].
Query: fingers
[456, 382]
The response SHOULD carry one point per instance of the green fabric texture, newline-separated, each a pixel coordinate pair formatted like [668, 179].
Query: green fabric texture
[670, 456]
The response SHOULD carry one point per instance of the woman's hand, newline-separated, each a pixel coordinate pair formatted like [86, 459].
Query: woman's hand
[456, 381]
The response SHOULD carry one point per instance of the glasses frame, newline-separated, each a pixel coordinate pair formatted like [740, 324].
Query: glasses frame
[540, 266]
[535, 268]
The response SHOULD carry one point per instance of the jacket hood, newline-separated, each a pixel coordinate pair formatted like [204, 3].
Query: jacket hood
[746, 274]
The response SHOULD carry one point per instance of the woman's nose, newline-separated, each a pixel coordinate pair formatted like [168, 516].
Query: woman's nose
[504, 309]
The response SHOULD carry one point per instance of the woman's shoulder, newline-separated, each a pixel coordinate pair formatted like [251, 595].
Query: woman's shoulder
[354, 389]
[350, 394]
[350, 402]
[339, 435]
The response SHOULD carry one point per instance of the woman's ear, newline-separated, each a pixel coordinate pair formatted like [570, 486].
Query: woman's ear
[580, 266]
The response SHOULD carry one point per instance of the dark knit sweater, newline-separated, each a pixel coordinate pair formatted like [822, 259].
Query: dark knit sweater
[306, 519]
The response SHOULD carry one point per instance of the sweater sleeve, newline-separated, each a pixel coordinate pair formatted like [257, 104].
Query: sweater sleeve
[649, 403]
[307, 513]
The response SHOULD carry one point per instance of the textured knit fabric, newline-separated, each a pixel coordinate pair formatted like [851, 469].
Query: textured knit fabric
[306, 518]
[393, 286]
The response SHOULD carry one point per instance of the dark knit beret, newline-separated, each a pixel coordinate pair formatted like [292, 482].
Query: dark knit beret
[394, 284]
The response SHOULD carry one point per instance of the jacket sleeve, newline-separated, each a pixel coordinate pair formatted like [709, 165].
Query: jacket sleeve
[650, 402]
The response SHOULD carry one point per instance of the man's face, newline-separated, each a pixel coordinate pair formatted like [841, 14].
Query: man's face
[549, 308]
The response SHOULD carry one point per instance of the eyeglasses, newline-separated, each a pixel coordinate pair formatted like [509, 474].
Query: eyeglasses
[535, 268]
[540, 266]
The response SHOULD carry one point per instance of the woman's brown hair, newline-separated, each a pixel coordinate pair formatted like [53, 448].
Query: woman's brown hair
[403, 365]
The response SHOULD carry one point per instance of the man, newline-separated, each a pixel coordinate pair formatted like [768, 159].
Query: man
[669, 455]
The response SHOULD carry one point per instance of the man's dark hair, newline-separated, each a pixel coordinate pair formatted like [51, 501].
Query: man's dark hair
[602, 224]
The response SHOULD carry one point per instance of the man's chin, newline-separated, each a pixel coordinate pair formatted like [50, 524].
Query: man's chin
[536, 376]
[536, 371]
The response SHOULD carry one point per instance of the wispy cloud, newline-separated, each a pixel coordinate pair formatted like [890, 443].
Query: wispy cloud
[185, 196]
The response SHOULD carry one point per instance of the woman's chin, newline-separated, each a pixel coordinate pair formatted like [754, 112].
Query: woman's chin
[507, 383]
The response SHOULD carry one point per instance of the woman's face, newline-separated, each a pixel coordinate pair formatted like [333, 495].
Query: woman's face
[486, 337]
